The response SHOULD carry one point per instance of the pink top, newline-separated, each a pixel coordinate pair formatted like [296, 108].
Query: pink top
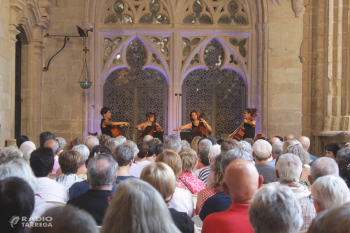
[206, 194]
[188, 181]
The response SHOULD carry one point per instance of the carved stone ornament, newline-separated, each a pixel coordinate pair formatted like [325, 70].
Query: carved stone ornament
[298, 7]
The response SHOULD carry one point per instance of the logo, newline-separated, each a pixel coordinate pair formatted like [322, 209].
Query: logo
[14, 220]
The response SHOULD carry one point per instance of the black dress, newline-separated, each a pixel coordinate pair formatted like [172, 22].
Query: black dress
[200, 124]
[249, 131]
[106, 130]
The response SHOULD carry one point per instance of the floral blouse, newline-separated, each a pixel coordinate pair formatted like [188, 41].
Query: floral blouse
[188, 181]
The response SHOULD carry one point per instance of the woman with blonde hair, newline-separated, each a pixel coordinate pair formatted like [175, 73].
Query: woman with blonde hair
[182, 199]
[137, 208]
[162, 178]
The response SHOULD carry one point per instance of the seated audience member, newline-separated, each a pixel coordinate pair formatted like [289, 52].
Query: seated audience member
[45, 136]
[185, 144]
[20, 140]
[54, 145]
[277, 150]
[125, 158]
[158, 149]
[273, 140]
[102, 171]
[106, 140]
[150, 155]
[250, 141]
[322, 167]
[85, 152]
[289, 143]
[204, 171]
[133, 147]
[116, 142]
[91, 141]
[331, 150]
[16, 204]
[305, 142]
[156, 141]
[213, 140]
[187, 179]
[41, 162]
[9, 153]
[182, 199]
[329, 191]
[230, 144]
[20, 168]
[172, 142]
[289, 137]
[241, 182]
[335, 219]
[214, 151]
[195, 143]
[138, 207]
[262, 151]
[343, 161]
[147, 138]
[27, 148]
[122, 139]
[162, 178]
[220, 201]
[79, 188]
[304, 157]
[246, 146]
[137, 167]
[203, 144]
[69, 161]
[275, 209]
[216, 180]
[62, 143]
[67, 219]
[74, 142]
[288, 169]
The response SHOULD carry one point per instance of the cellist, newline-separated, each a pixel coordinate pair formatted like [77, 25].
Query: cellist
[107, 123]
[195, 122]
[147, 126]
[249, 124]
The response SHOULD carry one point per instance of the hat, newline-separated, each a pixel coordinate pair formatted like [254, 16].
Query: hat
[262, 149]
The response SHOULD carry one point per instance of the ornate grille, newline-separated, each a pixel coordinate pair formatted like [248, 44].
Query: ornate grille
[130, 93]
[219, 93]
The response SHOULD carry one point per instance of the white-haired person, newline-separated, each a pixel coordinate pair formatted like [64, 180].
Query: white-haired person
[288, 171]
[85, 152]
[277, 150]
[299, 151]
[91, 141]
[162, 178]
[187, 180]
[172, 142]
[322, 167]
[329, 191]
[214, 152]
[335, 219]
[27, 148]
[62, 143]
[262, 151]
[275, 209]
[20, 168]
[137, 207]
[9, 153]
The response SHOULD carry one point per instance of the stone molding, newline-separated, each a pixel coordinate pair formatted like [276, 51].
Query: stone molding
[297, 5]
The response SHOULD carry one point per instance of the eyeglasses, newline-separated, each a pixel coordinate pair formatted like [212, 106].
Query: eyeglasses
[311, 198]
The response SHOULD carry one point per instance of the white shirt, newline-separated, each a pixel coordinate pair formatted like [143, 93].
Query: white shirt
[50, 190]
[136, 168]
[68, 180]
[182, 201]
[40, 206]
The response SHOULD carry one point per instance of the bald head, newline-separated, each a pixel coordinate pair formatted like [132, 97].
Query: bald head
[53, 144]
[305, 142]
[241, 181]
[273, 140]
[289, 137]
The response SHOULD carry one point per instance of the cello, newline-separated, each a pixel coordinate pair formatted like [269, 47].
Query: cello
[116, 130]
[202, 129]
[240, 131]
[154, 128]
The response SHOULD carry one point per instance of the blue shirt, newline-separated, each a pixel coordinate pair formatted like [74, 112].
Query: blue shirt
[313, 158]
[79, 188]
[217, 203]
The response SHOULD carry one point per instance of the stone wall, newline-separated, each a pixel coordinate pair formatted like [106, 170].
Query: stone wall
[5, 72]
[62, 97]
[284, 83]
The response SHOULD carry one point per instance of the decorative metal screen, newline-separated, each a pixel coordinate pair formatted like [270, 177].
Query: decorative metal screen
[220, 94]
[131, 93]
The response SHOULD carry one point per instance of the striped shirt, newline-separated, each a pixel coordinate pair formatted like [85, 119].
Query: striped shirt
[203, 174]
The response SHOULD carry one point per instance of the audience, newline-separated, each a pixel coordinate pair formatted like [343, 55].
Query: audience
[125, 158]
[288, 143]
[182, 199]
[156, 141]
[62, 143]
[141, 160]
[27, 148]
[85, 152]
[45, 136]
[275, 209]
[343, 160]
[16, 204]
[138, 207]
[304, 157]
[41, 162]
[305, 142]
[230, 144]
[74, 142]
[20, 140]
[289, 137]
[262, 151]
[70, 161]
[322, 167]
[277, 150]
[9, 153]
[273, 140]
[195, 143]
[241, 182]
[67, 219]
[329, 191]
[102, 172]
[204, 171]
[54, 145]
[121, 139]
[147, 138]
[214, 151]
[203, 144]
[162, 178]
[106, 140]
[91, 141]
[288, 170]
[212, 139]
[187, 180]
[159, 148]
[172, 142]
[331, 150]
[246, 146]
[150, 155]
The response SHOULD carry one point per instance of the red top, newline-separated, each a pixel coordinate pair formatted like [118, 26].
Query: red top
[206, 194]
[233, 220]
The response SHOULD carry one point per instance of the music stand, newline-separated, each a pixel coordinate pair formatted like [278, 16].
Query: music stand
[159, 135]
[188, 136]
